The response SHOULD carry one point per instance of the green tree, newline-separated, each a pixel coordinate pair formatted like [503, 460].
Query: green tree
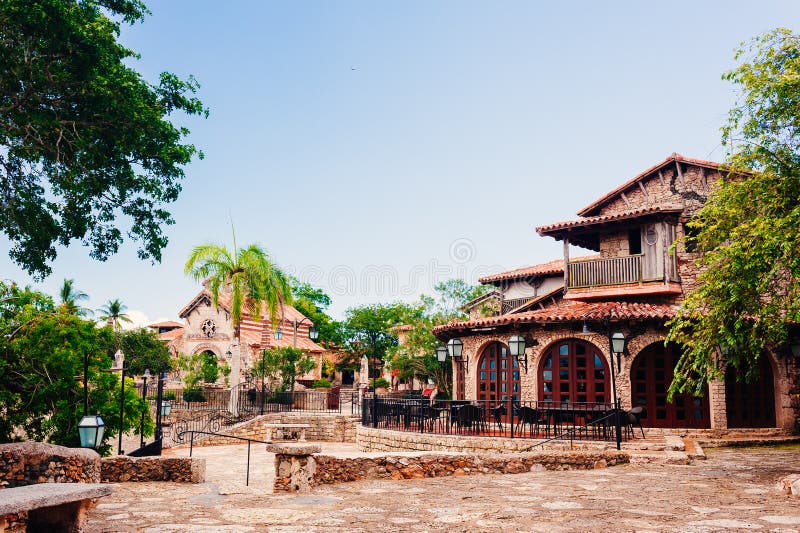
[282, 366]
[143, 351]
[113, 313]
[41, 385]
[749, 290]
[84, 139]
[252, 280]
[367, 331]
[70, 299]
[313, 303]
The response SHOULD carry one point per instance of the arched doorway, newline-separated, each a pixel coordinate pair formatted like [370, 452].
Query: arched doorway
[498, 374]
[651, 376]
[574, 371]
[751, 405]
[460, 377]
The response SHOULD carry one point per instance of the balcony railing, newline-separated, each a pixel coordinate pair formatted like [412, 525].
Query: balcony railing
[603, 272]
[513, 303]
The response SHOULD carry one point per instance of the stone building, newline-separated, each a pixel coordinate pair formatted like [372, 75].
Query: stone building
[634, 282]
[207, 328]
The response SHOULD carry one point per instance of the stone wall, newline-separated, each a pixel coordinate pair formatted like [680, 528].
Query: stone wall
[330, 469]
[28, 463]
[332, 427]
[176, 469]
[384, 440]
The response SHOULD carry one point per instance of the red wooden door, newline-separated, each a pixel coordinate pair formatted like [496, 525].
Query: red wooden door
[751, 405]
[498, 375]
[651, 376]
[574, 371]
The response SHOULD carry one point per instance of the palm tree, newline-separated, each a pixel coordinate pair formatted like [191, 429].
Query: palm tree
[71, 298]
[113, 313]
[252, 280]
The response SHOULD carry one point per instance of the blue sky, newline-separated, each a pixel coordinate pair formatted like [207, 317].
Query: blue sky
[375, 148]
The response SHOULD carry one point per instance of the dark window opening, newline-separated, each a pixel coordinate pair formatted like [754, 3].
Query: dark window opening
[634, 241]
[690, 238]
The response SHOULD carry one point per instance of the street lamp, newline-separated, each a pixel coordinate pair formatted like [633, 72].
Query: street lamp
[456, 350]
[90, 428]
[516, 345]
[616, 342]
[166, 408]
[313, 333]
[441, 354]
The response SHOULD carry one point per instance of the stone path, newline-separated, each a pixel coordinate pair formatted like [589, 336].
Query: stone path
[734, 490]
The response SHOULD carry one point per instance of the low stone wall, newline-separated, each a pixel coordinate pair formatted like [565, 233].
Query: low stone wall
[332, 427]
[176, 469]
[384, 440]
[27, 463]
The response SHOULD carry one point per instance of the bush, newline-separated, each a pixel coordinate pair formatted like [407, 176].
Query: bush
[380, 383]
[321, 384]
[169, 395]
[193, 395]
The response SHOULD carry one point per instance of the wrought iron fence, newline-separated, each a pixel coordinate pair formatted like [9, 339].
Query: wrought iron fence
[530, 420]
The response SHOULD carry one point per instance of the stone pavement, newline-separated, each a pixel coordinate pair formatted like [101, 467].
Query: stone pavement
[735, 489]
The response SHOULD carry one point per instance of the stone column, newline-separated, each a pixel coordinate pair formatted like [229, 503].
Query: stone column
[295, 466]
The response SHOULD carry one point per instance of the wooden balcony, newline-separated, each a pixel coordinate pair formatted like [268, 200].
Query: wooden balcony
[619, 276]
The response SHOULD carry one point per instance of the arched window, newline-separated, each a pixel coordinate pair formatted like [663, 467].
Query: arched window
[574, 371]
[498, 374]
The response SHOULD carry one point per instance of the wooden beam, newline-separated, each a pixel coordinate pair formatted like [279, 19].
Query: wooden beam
[625, 198]
[644, 190]
[661, 177]
[704, 178]
[566, 264]
[680, 173]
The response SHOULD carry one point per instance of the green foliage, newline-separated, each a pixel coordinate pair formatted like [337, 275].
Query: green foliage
[313, 303]
[198, 368]
[282, 365]
[193, 395]
[84, 139]
[321, 384]
[70, 299]
[380, 383]
[169, 396]
[750, 268]
[143, 350]
[41, 373]
[328, 368]
[367, 331]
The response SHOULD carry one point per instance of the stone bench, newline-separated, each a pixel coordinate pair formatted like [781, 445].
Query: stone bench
[49, 506]
[283, 429]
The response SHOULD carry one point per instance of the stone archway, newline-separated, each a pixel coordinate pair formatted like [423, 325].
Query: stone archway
[651, 375]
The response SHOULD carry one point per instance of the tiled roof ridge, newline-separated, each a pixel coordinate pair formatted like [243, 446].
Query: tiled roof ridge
[631, 213]
[571, 313]
[672, 158]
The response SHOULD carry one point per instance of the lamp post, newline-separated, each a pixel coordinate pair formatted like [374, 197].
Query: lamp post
[441, 354]
[119, 365]
[616, 342]
[90, 428]
[145, 376]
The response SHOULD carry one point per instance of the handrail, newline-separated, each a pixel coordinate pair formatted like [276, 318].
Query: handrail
[570, 432]
[191, 444]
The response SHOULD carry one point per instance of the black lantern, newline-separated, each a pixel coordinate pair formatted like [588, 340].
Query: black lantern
[441, 354]
[456, 350]
[166, 408]
[91, 429]
[618, 342]
[313, 333]
[516, 345]
[278, 334]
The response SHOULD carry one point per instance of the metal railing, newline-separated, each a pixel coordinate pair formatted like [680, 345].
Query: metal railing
[511, 419]
[211, 433]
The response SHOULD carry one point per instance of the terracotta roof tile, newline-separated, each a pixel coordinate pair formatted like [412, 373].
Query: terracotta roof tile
[590, 221]
[543, 269]
[166, 324]
[171, 334]
[570, 313]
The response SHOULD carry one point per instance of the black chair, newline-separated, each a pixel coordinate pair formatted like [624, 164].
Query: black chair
[533, 418]
[498, 412]
[634, 416]
[470, 417]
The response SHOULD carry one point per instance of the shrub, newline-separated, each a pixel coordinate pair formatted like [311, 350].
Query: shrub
[321, 384]
[169, 395]
[380, 383]
[193, 395]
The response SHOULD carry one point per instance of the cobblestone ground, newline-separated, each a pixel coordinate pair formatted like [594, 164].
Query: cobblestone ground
[735, 489]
